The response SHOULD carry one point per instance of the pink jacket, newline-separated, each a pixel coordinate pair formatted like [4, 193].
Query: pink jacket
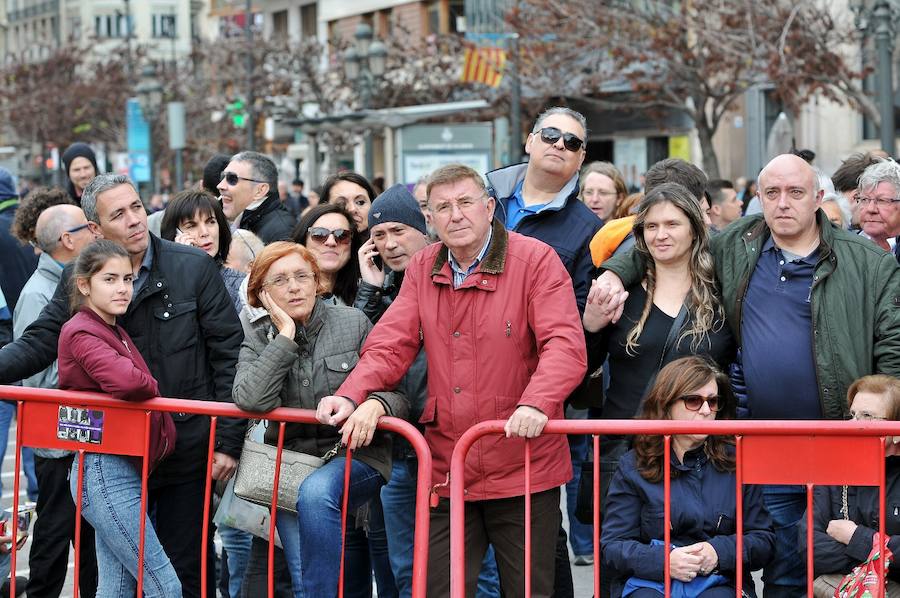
[509, 336]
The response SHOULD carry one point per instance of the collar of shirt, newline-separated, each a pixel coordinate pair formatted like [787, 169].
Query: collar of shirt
[810, 259]
[459, 275]
[516, 208]
[237, 221]
[144, 271]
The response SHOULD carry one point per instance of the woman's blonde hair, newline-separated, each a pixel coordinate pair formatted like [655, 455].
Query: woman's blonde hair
[878, 384]
[702, 300]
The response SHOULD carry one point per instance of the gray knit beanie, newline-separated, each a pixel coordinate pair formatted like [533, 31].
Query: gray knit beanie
[397, 204]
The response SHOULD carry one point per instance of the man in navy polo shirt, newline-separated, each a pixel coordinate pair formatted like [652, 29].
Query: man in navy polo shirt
[813, 308]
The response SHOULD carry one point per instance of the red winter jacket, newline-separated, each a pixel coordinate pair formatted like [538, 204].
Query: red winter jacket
[509, 336]
[93, 357]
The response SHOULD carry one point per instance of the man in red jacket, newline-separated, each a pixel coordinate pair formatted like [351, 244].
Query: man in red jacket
[496, 312]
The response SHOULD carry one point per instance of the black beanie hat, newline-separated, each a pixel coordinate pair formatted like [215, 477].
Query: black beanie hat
[212, 172]
[397, 204]
[79, 150]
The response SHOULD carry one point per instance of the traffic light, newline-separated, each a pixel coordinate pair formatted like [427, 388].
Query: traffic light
[236, 110]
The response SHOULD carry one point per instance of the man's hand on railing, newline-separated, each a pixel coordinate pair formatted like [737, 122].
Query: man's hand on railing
[223, 466]
[333, 410]
[525, 422]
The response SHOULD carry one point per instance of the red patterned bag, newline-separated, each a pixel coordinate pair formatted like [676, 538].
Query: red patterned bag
[862, 582]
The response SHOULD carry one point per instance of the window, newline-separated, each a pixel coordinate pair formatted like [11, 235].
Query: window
[309, 20]
[457, 9]
[280, 24]
[164, 26]
[114, 25]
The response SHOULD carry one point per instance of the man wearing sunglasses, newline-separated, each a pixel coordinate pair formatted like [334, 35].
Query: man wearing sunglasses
[249, 194]
[540, 198]
[61, 231]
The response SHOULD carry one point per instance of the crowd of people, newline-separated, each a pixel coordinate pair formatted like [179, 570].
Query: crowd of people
[537, 291]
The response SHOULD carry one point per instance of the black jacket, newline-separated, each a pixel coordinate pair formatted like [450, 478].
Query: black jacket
[270, 221]
[184, 325]
[830, 556]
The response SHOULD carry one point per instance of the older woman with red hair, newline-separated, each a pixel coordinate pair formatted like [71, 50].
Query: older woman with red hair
[297, 354]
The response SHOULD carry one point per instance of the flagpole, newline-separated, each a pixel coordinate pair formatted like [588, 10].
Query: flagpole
[515, 99]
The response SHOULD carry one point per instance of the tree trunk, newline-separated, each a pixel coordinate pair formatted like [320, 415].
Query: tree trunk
[710, 159]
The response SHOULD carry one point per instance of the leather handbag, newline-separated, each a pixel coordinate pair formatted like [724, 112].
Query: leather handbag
[255, 475]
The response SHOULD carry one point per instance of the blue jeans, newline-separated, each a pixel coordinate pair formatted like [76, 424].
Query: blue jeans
[786, 574]
[311, 539]
[237, 544]
[398, 498]
[7, 413]
[111, 501]
[581, 536]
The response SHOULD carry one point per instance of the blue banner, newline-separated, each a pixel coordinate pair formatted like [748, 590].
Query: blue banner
[138, 134]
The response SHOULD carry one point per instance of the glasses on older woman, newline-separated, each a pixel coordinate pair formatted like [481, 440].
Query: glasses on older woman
[282, 280]
[865, 416]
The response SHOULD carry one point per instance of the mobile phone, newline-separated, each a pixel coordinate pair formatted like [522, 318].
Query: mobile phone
[379, 263]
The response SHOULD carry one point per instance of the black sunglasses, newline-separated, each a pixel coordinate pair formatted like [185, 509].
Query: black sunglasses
[695, 402]
[320, 234]
[550, 135]
[232, 179]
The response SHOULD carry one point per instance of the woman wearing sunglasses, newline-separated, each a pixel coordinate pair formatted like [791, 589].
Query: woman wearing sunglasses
[330, 233]
[195, 218]
[845, 518]
[702, 501]
[354, 193]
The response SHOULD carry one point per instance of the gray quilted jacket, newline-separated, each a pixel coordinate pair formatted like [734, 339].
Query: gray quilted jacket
[274, 371]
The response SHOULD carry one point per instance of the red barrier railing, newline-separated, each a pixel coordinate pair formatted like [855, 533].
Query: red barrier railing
[128, 433]
[820, 453]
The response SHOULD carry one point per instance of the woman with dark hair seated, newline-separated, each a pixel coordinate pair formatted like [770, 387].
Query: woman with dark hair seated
[702, 500]
[330, 233]
[195, 218]
[845, 518]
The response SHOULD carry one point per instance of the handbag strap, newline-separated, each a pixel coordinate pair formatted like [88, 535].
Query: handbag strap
[332, 452]
[668, 348]
[845, 506]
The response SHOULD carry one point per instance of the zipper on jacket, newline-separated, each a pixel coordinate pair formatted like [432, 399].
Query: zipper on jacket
[508, 329]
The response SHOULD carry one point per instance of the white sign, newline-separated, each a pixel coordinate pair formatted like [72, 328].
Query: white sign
[415, 166]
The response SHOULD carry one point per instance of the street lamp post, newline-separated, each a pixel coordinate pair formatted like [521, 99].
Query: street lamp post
[879, 20]
[363, 64]
[149, 93]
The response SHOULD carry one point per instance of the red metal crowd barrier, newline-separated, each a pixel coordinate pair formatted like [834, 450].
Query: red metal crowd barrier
[123, 429]
[806, 453]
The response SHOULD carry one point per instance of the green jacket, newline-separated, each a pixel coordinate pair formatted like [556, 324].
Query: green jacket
[855, 301]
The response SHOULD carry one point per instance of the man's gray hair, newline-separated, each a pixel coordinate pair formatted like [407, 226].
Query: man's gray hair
[261, 166]
[48, 230]
[886, 171]
[538, 124]
[247, 246]
[99, 184]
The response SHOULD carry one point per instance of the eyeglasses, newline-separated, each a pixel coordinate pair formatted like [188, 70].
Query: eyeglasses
[73, 230]
[445, 208]
[550, 135]
[865, 416]
[879, 202]
[302, 278]
[320, 234]
[695, 402]
[232, 179]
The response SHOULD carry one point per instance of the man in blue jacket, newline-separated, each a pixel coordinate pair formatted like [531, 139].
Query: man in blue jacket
[540, 199]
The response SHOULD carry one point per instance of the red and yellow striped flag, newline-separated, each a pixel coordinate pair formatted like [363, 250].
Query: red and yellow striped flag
[484, 65]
